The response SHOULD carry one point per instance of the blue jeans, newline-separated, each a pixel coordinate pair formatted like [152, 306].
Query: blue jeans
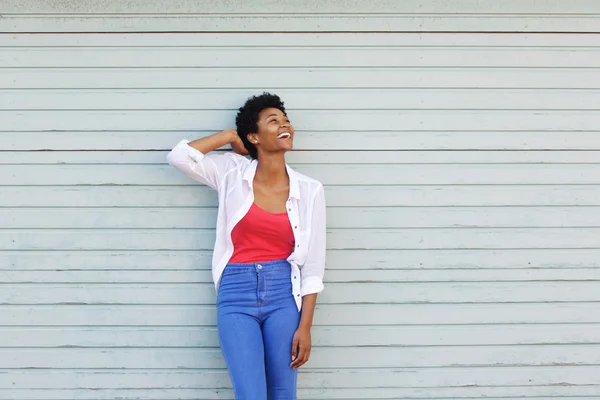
[257, 318]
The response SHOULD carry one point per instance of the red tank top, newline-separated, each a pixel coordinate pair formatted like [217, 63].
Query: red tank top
[262, 236]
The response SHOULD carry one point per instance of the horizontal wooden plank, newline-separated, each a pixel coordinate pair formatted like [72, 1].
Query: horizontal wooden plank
[565, 393]
[336, 274]
[337, 217]
[346, 39]
[421, 377]
[331, 174]
[341, 239]
[345, 260]
[327, 314]
[352, 357]
[271, 79]
[319, 157]
[415, 378]
[203, 239]
[469, 292]
[337, 196]
[406, 393]
[322, 336]
[310, 140]
[310, 6]
[335, 120]
[301, 56]
[344, 22]
[297, 99]
[463, 393]
[455, 275]
[336, 293]
[576, 393]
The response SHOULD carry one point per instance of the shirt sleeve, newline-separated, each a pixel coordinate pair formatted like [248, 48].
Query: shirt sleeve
[208, 169]
[313, 269]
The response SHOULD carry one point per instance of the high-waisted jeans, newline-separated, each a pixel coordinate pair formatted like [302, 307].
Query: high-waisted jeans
[257, 319]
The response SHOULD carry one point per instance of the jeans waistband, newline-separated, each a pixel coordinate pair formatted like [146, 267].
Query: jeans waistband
[252, 267]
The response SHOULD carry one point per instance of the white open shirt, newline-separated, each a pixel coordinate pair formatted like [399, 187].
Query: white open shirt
[232, 176]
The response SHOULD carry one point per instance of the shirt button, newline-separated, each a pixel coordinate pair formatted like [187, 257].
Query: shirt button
[297, 245]
[296, 227]
[294, 277]
[289, 209]
[297, 295]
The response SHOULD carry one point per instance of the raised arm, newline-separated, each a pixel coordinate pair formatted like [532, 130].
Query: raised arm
[220, 139]
[193, 160]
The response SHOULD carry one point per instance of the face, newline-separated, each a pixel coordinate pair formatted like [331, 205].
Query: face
[275, 132]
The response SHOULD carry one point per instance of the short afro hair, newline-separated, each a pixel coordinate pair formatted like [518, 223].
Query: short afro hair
[246, 120]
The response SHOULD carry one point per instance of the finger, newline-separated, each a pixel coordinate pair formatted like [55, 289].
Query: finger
[294, 349]
[301, 358]
[297, 362]
[297, 359]
[305, 358]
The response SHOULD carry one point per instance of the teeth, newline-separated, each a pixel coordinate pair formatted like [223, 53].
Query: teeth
[284, 135]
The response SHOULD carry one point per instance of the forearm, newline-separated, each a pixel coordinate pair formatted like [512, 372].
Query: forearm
[308, 310]
[213, 142]
[192, 158]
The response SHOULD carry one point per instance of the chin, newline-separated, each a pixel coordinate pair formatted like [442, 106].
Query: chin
[288, 147]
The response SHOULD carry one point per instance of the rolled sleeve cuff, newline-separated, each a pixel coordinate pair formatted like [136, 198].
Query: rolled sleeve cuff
[184, 151]
[310, 285]
[194, 154]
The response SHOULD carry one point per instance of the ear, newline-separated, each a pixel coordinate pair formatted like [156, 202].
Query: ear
[252, 138]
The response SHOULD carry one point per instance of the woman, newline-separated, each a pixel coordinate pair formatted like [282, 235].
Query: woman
[269, 255]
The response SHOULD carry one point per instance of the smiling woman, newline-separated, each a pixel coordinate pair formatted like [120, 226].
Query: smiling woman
[458, 143]
[266, 112]
[269, 256]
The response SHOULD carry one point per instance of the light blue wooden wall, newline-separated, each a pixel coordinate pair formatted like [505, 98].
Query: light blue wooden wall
[462, 175]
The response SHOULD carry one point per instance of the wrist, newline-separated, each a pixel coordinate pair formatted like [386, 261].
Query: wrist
[230, 135]
[305, 325]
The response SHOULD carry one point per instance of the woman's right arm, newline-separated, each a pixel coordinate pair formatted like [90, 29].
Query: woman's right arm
[193, 160]
[213, 142]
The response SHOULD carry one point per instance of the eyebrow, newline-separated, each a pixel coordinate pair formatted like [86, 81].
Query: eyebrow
[275, 115]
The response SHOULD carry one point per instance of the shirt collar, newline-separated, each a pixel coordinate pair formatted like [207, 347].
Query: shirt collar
[250, 172]
[294, 185]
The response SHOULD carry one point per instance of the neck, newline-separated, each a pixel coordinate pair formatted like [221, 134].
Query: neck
[271, 170]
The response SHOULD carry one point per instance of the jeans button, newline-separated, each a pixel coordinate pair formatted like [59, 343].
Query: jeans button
[259, 266]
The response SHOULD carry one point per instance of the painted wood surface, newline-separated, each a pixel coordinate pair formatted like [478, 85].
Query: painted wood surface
[312, 99]
[305, 16]
[475, 262]
[316, 140]
[256, 79]
[462, 176]
[290, 6]
[338, 217]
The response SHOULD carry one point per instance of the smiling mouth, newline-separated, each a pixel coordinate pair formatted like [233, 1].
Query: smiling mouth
[284, 135]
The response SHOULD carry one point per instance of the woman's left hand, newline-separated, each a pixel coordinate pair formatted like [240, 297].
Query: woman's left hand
[301, 346]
